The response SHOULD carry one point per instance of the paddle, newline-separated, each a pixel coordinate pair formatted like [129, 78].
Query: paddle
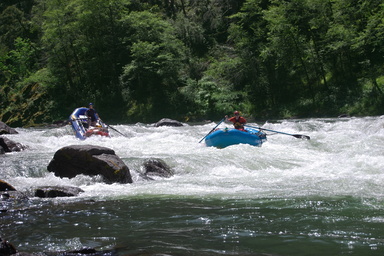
[212, 130]
[299, 136]
[116, 130]
[113, 128]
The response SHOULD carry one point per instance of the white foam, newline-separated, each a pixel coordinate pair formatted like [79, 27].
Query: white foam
[343, 157]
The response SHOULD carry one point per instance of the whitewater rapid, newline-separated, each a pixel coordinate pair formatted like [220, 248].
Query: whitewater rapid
[288, 197]
[344, 157]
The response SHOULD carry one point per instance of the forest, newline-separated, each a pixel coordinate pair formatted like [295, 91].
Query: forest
[190, 60]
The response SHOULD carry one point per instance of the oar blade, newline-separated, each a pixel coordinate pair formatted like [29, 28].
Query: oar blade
[300, 136]
[222, 120]
[117, 131]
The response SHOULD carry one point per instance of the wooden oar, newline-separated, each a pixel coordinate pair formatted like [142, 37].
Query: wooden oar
[299, 136]
[212, 129]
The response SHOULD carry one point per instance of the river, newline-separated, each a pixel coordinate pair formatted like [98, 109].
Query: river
[323, 196]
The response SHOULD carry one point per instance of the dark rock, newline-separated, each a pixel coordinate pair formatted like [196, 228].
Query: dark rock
[5, 196]
[56, 191]
[8, 196]
[89, 160]
[5, 129]
[12, 195]
[6, 248]
[4, 186]
[168, 122]
[84, 251]
[10, 146]
[157, 167]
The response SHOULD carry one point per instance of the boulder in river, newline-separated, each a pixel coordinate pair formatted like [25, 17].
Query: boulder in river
[5, 186]
[6, 248]
[5, 129]
[168, 122]
[7, 145]
[8, 194]
[57, 191]
[157, 167]
[90, 160]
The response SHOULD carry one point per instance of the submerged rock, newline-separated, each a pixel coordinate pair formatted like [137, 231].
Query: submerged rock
[168, 122]
[89, 160]
[8, 196]
[7, 145]
[157, 167]
[7, 192]
[57, 191]
[6, 248]
[5, 129]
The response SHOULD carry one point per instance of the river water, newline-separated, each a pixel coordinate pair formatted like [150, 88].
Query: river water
[323, 196]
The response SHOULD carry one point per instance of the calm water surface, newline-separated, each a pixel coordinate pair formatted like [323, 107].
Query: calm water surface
[324, 196]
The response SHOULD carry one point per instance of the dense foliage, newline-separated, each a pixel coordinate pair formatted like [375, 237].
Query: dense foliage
[139, 61]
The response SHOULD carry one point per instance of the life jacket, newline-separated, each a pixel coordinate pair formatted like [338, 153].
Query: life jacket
[238, 125]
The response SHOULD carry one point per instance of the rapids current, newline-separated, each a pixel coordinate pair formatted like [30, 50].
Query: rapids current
[287, 197]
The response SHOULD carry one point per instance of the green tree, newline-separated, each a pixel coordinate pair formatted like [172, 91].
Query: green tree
[25, 93]
[248, 33]
[84, 50]
[142, 60]
[151, 79]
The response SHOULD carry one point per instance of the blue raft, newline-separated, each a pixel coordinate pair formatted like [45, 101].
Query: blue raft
[222, 138]
[79, 123]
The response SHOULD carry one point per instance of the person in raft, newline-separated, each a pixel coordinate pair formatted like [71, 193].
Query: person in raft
[92, 115]
[237, 120]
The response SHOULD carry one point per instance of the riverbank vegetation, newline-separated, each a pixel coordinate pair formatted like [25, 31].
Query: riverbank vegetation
[139, 61]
